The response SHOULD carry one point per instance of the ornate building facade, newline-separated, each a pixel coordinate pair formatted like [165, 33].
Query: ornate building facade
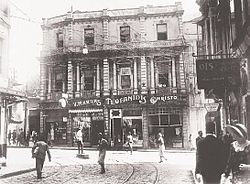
[131, 80]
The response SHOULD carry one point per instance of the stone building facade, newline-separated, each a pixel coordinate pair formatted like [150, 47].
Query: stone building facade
[131, 80]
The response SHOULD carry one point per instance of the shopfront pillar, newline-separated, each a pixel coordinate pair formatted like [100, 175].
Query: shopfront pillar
[106, 77]
[145, 128]
[114, 78]
[135, 77]
[43, 80]
[98, 80]
[152, 70]
[78, 80]
[70, 79]
[49, 83]
[173, 73]
[144, 84]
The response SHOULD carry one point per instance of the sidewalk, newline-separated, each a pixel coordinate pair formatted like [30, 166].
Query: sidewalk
[15, 165]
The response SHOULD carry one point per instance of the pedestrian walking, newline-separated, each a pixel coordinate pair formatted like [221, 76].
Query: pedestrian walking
[239, 159]
[39, 153]
[21, 137]
[161, 146]
[9, 137]
[18, 138]
[191, 147]
[79, 141]
[200, 137]
[102, 147]
[34, 136]
[14, 136]
[130, 142]
[209, 157]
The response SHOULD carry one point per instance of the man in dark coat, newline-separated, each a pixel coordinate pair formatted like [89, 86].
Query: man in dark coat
[39, 152]
[209, 161]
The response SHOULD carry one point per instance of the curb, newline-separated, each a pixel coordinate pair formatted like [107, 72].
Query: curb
[17, 173]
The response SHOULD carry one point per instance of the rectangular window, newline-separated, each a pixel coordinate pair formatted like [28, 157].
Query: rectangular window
[89, 36]
[125, 78]
[162, 32]
[125, 33]
[58, 82]
[59, 40]
[164, 74]
[88, 79]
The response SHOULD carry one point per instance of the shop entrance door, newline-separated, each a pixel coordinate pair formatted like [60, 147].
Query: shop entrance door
[116, 131]
[96, 127]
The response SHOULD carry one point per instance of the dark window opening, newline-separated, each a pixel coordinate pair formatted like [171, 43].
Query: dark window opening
[125, 34]
[59, 40]
[59, 82]
[89, 80]
[162, 32]
[89, 36]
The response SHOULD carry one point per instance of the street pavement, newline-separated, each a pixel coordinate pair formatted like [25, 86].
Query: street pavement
[121, 167]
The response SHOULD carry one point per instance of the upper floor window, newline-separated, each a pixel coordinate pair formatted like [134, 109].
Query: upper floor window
[59, 39]
[125, 33]
[89, 36]
[87, 79]
[164, 74]
[125, 78]
[58, 81]
[162, 32]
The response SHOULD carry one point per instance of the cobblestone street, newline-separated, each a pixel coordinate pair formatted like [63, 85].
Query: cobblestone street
[121, 167]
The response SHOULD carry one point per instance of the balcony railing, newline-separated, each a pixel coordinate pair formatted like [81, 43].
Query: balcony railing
[88, 93]
[116, 46]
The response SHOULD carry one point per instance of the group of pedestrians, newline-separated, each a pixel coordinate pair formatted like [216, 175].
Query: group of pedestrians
[218, 158]
[16, 138]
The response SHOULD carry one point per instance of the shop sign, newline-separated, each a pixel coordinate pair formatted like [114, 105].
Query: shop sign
[211, 107]
[86, 102]
[165, 98]
[142, 99]
[213, 73]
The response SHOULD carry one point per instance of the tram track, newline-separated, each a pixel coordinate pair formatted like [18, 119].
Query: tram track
[134, 173]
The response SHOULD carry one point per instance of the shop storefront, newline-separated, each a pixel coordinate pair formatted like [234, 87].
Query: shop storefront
[56, 126]
[144, 116]
[87, 114]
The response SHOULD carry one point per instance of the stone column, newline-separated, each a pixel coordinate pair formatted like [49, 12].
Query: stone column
[43, 80]
[49, 83]
[206, 36]
[173, 73]
[106, 77]
[70, 79]
[114, 79]
[98, 80]
[135, 77]
[78, 81]
[144, 84]
[182, 73]
[152, 70]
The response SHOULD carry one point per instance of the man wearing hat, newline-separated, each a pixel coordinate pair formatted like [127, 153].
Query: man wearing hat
[209, 165]
[102, 146]
[239, 154]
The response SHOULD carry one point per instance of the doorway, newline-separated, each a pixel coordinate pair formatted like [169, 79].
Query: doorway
[96, 127]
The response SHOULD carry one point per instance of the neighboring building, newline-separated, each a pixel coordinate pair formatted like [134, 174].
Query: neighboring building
[132, 78]
[224, 44]
[8, 95]
[241, 47]
[197, 110]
